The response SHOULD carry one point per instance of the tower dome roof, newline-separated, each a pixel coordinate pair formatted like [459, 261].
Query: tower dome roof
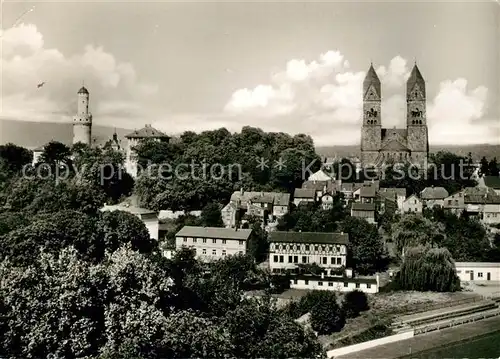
[83, 90]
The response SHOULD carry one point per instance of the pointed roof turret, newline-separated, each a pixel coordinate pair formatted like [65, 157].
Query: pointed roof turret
[83, 90]
[415, 78]
[371, 78]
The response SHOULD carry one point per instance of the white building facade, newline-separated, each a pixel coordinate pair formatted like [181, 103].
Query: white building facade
[478, 271]
[212, 243]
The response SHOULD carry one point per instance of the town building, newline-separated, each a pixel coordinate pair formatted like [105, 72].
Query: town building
[82, 121]
[133, 139]
[365, 211]
[492, 182]
[320, 175]
[483, 203]
[365, 194]
[455, 203]
[304, 195]
[212, 243]
[397, 194]
[296, 252]
[148, 217]
[326, 201]
[412, 204]
[433, 196]
[478, 271]
[37, 153]
[382, 145]
[287, 250]
[321, 187]
[269, 206]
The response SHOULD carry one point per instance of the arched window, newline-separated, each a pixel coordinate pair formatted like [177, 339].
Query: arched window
[413, 122]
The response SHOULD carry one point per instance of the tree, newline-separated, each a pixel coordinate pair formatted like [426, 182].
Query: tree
[327, 316]
[259, 331]
[428, 269]
[258, 245]
[55, 154]
[13, 158]
[354, 303]
[493, 169]
[415, 230]
[484, 168]
[366, 252]
[449, 171]
[211, 216]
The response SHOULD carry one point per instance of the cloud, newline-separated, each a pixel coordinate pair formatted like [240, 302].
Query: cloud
[117, 94]
[323, 98]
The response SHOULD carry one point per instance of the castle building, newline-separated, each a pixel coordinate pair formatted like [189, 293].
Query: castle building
[133, 139]
[82, 121]
[381, 145]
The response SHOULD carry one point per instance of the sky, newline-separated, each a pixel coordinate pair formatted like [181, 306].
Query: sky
[294, 67]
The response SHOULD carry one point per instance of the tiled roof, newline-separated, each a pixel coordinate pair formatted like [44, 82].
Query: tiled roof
[83, 90]
[347, 187]
[411, 197]
[309, 237]
[316, 185]
[214, 232]
[276, 198]
[367, 191]
[363, 207]
[492, 181]
[320, 176]
[146, 132]
[434, 193]
[304, 193]
[481, 195]
[415, 77]
[400, 192]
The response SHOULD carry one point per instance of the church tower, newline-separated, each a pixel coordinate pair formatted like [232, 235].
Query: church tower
[82, 121]
[371, 131]
[416, 117]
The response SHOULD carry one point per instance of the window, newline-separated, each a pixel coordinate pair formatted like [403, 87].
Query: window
[223, 252]
[240, 252]
[467, 271]
[368, 285]
[276, 270]
[480, 274]
[339, 260]
[204, 240]
[223, 241]
[304, 259]
[214, 240]
[332, 260]
[330, 284]
[290, 259]
[325, 260]
[242, 242]
[307, 247]
[194, 240]
[459, 271]
[185, 239]
[282, 259]
[204, 251]
[316, 248]
[449, 201]
[306, 282]
[357, 285]
[214, 252]
[346, 284]
[295, 281]
[295, 259]
[275, 258]
[320, 284]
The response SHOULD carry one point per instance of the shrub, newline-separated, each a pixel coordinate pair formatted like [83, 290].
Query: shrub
[354, 303]
[327, 316]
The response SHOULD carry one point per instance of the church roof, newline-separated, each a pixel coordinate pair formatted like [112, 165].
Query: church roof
[394, 145]
[146, 132]
[83, 90]
[415, 77]
[371, 78]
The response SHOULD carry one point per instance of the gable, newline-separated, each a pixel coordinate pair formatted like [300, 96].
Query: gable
[371, 94]
[394, 145]
[416, 93]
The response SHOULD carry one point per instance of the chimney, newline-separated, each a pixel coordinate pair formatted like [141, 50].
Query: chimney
[261, 194]
[241, 191]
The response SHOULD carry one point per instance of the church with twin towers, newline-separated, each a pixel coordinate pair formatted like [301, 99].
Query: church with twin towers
[380, 145]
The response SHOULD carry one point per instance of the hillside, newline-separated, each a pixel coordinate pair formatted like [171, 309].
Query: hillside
[34, 134]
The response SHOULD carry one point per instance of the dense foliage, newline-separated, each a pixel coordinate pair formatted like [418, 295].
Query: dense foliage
[354, 303]
[428, 269]
[327, 316]
[208, 167]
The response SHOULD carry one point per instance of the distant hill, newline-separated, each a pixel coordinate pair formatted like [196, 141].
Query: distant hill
[478, 151]
[34, 134]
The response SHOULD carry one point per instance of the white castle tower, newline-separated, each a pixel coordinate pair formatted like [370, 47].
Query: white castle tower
[82, 121]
